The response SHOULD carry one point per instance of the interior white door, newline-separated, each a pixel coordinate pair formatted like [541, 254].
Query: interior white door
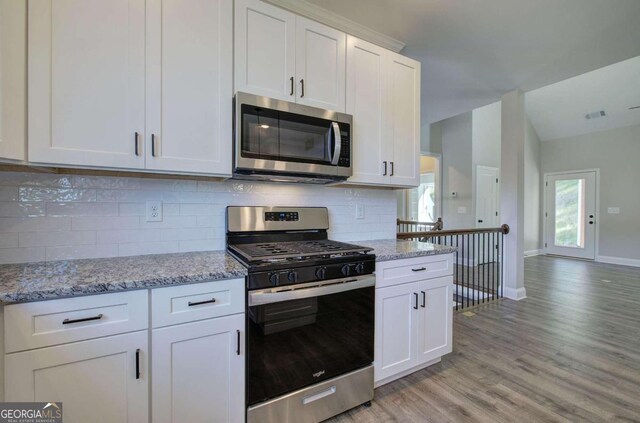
[403, 120]
[265, 42]
[198, 371]
[86, 100]
[189, 85]
[435, 336]
[487, 197]
[366, 102]
[397, 317]
[571, 214]
[95, 380]
[320, 65]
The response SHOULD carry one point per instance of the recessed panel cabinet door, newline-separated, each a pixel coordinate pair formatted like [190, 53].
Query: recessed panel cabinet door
[265, 39]
[403, 119]
[189, 85]
[198, 371]
[320, 65]
[95, 380]
[435, 336]
[366, 101]
[396, 324]
[86, 82]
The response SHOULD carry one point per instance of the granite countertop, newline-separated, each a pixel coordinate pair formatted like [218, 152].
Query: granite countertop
[66, 278]
[392, 249]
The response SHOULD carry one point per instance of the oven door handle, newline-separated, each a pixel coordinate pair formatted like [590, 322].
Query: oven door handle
[337, 148]
[296, 292]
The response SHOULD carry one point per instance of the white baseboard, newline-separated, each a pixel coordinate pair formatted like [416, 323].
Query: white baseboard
[515, 293]
[532, 253]
[618, 260]
[406, 372]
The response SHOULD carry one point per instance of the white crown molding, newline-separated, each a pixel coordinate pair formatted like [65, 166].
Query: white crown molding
[322, 15]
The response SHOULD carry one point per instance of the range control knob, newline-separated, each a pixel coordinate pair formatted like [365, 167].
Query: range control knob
[274, 278]
[346, 270]
[292, 276]
[321, 272]
[359, 268]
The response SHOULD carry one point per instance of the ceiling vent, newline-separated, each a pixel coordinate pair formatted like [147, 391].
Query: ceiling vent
[595, 115]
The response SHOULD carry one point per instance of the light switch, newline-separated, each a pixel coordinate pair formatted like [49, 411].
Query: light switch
[462, 210]
[613, 210]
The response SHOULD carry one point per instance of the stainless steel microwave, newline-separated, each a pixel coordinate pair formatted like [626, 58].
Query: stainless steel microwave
[281, 141]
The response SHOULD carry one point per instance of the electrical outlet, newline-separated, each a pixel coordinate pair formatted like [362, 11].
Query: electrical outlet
[462, 210]
[359, 211]
[154, 211]
[613, 210]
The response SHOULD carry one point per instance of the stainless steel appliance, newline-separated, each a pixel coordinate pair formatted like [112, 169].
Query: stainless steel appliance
[281, 141]
[310, 314]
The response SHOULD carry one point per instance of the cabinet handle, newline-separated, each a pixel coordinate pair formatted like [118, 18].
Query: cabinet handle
[138, 363]
[153, 145]
[136, 143]
[195, 303]
[302, 88]
[385, 168]
[391, 174]
[415, 295]
[424, 299]
[238, 342]
[292, 84]
[84, 319]
[420, 269]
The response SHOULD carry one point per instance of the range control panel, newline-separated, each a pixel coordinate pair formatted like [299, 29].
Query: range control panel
[281, 216]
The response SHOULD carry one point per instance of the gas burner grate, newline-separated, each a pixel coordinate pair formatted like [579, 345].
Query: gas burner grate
[295, 249]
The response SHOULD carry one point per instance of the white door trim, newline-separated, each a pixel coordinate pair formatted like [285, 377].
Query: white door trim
[597, 207]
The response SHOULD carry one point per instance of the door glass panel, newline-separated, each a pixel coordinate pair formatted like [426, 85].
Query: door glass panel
[569, 216]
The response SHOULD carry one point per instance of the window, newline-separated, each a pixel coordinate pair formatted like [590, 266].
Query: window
[422, 203]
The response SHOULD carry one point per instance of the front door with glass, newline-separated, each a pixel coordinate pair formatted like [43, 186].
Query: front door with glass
[571, 214]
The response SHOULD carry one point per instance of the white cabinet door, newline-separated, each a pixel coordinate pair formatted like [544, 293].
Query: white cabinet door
[436, 314]
[403, 120]
[265, 39]
[366, 101]
[86, 82]
[320, 65]
[189, 86]
[396, 327]
[13, 73]
[95, 380]
[198, 371]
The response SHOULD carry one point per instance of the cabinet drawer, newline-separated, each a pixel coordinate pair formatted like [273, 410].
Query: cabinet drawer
[187, 303]
[395, 272]
[45, 323]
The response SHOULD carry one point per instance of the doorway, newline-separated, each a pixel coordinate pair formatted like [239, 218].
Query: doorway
[422, 204]
[487, 197]
[570, 217]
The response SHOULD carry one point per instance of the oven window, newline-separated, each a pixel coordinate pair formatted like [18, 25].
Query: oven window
[297, 343]
[273, 135]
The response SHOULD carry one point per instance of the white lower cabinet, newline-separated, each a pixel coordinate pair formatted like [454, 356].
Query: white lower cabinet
[413, 319]
[198, 371]
[101, 380]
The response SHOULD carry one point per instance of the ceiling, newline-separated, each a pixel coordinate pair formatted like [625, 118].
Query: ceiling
[474, 51]
[558, 110]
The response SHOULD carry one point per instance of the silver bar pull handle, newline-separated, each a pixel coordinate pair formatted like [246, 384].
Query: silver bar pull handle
[337, 148]
[319, 395]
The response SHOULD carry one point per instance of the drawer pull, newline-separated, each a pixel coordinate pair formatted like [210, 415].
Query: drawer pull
[196, 303]
[138, 363]
[424, 299]
[84, 319]
[420, 269]
[415, 294]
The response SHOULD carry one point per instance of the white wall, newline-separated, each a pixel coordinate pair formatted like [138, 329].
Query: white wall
[50, 217]
[532, 192]
[486, 135]
[617, 154]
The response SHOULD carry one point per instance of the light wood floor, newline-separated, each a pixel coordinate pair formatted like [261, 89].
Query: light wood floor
[569, 352]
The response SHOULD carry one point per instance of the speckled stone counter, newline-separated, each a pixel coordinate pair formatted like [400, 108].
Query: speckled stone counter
[57, 279]
[392, 249]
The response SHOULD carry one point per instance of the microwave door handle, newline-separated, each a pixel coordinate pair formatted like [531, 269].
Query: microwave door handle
[335, 128]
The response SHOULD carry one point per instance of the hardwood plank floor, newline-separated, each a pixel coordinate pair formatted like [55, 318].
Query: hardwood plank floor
[570, 352]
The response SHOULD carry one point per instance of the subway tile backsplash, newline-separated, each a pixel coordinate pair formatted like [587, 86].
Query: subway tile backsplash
[53, 217]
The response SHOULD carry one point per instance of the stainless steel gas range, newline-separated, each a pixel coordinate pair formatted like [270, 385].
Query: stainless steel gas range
[310, 314]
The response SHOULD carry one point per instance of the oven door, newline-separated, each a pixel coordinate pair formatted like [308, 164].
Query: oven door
[299, 337]
[278, 136]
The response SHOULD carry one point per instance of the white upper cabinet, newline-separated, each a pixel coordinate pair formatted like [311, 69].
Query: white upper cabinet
[366, 101]
[320, 65]
[13, 50]
[86, 82]
[189, 86]
[265, 40]
[404, 120]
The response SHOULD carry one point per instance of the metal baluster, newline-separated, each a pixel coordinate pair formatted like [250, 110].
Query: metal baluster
[501, 261]
[468, 263]
[484, 293]
[457, 263]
